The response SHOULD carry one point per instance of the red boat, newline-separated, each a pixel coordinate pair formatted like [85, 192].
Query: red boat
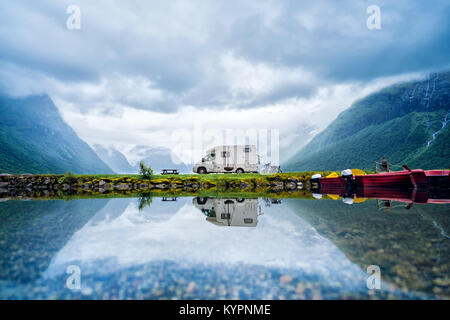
[417, 179]
[336, 185]
[399, 179]
[332, 184]
[419, 186]
[438, 178]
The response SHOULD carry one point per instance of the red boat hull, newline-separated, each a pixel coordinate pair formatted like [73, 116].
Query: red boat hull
[337, 185]
[438, 178]
[410, 186]
[399, 179]
[417, 178]
[418, 186]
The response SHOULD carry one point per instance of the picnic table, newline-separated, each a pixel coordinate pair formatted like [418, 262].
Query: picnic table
[169, 199]
[169, 171]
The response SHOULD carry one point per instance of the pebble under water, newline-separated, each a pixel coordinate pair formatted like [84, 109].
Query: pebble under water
[216, 248]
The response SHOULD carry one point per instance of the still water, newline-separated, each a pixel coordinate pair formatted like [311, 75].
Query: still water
[211, 248]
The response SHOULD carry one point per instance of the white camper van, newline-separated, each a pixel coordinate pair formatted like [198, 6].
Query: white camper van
[229, 212]
[223, 159]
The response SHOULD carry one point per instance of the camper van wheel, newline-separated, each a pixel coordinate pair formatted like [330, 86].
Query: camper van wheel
[201, 170]
[239, 170]
[201, 200]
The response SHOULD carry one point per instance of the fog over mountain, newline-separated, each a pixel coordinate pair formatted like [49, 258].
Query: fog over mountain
[115, 159]
[135, 72]
[157, 158]
[407, 122]
[35, 139]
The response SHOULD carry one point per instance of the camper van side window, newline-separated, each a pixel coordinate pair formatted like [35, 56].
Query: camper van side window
[247, 149]
[225, 154]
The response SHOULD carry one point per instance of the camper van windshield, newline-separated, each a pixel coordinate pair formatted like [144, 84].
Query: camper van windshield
[209, 213]
[209, 157]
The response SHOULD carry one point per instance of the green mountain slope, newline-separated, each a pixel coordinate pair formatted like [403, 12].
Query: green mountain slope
[35, 139]
[407, 123]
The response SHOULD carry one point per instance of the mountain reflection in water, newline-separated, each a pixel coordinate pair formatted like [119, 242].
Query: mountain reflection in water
[188, 248]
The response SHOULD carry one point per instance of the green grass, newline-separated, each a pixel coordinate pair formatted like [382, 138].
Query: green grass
[213, 185]
[302, 194]
[208, 177]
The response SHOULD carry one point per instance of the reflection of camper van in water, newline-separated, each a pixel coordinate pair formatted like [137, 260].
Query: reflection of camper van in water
[223, 159]
[229, 212]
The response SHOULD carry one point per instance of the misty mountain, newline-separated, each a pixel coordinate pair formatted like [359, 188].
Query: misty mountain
[159, 158]
[35, 139]
[407, 123]
[114, 159]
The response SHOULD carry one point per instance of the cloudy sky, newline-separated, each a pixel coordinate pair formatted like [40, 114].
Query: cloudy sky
[152, 72]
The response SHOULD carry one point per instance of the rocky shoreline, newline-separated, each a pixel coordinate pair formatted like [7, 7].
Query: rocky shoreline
[51, 185]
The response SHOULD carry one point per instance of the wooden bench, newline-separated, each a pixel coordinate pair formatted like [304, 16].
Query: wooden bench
[169, 199]
[169, 171]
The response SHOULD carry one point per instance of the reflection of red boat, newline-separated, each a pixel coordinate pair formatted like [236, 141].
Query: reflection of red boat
[406, 195]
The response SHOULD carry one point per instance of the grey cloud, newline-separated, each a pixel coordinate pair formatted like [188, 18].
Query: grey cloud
[339, 46]
[178, 47]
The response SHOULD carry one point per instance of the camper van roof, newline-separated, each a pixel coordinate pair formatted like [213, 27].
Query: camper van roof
[233, 145]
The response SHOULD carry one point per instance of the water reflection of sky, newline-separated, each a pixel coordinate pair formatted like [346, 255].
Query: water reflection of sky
[299, 249]
[179, 232]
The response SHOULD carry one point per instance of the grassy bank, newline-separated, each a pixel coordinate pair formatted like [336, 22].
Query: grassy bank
[303, 194]
[303, 176]
[290, 184]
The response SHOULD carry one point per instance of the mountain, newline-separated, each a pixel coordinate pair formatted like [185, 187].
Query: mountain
[35, 139]
[159, 158]
[407, 123]
[115, 159]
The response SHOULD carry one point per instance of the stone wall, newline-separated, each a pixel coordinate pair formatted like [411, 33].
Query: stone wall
[50, 185]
